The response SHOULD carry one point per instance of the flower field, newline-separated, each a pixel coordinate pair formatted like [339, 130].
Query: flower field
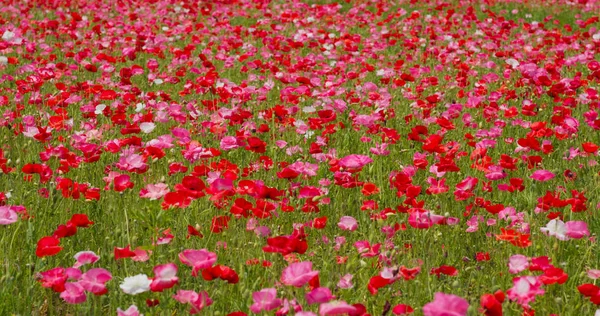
[242, 157]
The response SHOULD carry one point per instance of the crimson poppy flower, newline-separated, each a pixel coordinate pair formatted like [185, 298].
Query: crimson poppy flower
[48, 246]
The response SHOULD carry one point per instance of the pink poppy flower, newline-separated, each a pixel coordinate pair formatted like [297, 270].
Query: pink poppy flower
[85, 257]
[446, 305]
[164, 277]
[336, 308]
[593, 274]
[94, 280]
[185, 296]
[348, 223]
[354, 161]
[542, 175]
[141, 255]
[525, 289]
[319, 295]
[73, 293]
[229, 143]
[518, 263]
[298, 274]
[198, 301]
[265, 300]
[7, 215]
[422, 220]
[154, 191]
[132, 162]
[346, 282]
[495, 173]
[577, 229]
[197, 259]
[73, 273]
[131, 311]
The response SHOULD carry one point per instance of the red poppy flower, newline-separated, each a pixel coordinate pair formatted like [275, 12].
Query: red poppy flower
[48, 246]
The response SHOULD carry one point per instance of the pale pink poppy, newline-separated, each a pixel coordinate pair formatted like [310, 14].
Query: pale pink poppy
[380, 150]
[298, 274]
[542, 175]
[185, 296]
[336, 308]
[265, 300]
[593, 274]
[198, 301]
[154, 191]
[319, 295]
[7, 215]
[525, 289]
[556, 228]
[446, 305]
[131, 311]
[85, 257]
[73, 293]
[346, 282]
[451, 221]
[518, 263]
[132, 162]
[147, 127]
[165, 277]
[348, 223]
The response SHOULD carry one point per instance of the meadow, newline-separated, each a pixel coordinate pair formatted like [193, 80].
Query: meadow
[240, 157]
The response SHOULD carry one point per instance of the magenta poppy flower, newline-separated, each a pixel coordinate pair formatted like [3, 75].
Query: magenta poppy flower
[542, 175]
[446, 305]
[354, 161]
[54, 279]
[122, 183]
[319, 295]
[577, 229]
